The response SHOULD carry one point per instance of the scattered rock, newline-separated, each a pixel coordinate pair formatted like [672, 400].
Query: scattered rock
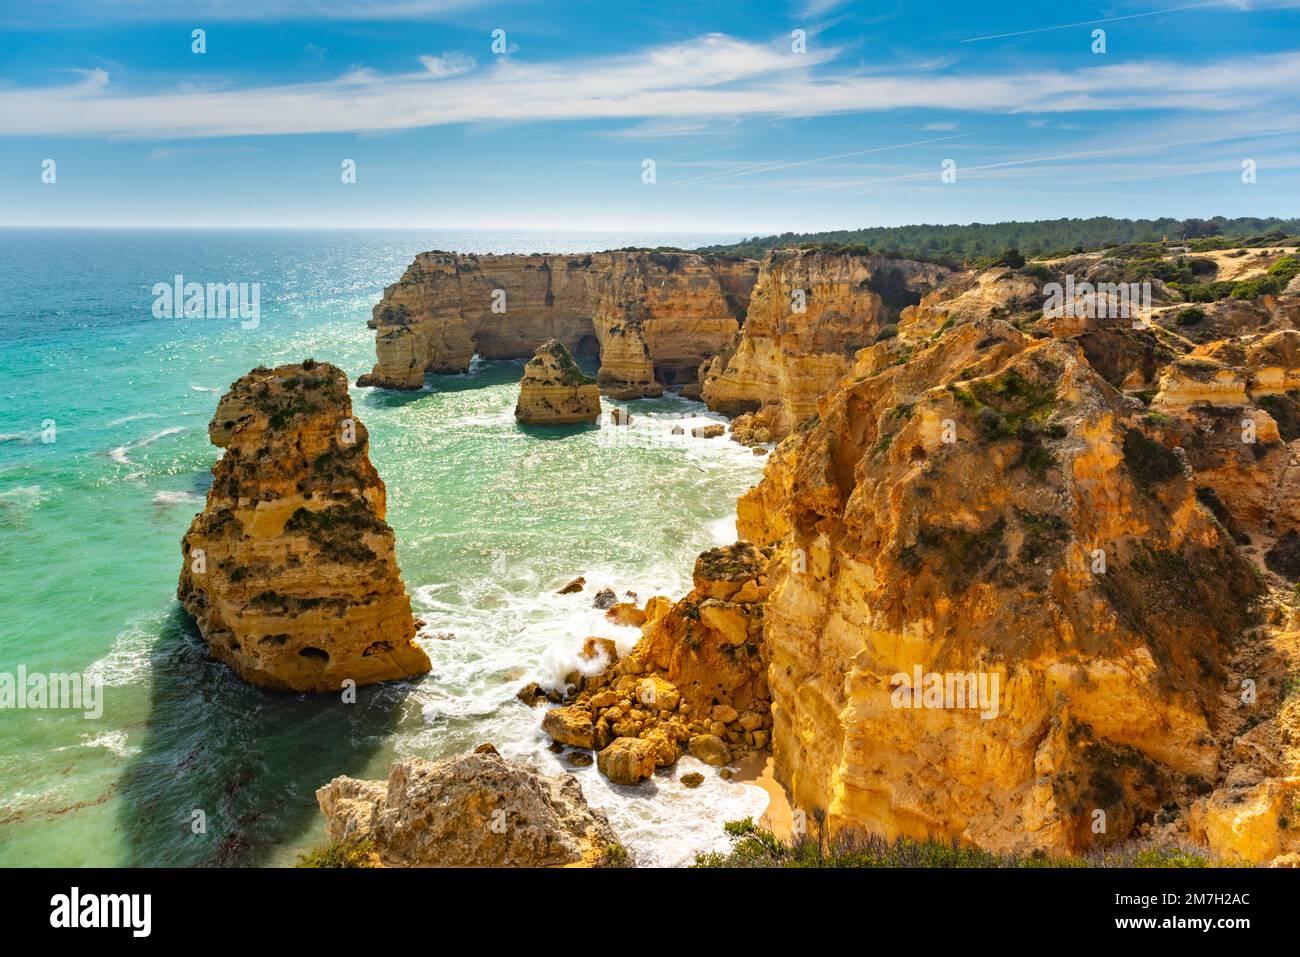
[570, 725]
[654, 692]
[576, 585]
[708, 431]
[605, 598]
[626, 613]
[627, 761]
[532, 694]
[725, 714]
[580, 759]
[594, 648]
[710, 749]
[693, 779]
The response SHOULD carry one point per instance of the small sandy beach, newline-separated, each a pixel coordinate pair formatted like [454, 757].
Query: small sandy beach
[757, 769]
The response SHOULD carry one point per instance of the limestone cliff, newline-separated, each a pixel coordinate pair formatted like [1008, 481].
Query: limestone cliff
[652, 316]
[289, 571]
[955, 525]
[1008, 602]
[809, 314]
[554, 390]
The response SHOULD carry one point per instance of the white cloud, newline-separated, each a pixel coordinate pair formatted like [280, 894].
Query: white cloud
[449, 64]
[710, 76]
[815, 8]
[73, 13]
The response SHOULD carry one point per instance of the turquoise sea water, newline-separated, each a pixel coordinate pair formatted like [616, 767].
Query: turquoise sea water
[490, 520]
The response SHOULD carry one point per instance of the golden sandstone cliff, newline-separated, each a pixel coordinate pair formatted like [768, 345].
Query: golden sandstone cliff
[652, 317]
[289, 570]
[554, 391]
[1021, 579]
[809, 314]
[1014, 605]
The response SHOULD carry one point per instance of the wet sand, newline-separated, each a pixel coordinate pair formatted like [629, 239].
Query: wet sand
[756, 769]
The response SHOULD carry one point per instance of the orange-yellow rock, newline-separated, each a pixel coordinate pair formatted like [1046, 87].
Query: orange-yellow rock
[289, 571]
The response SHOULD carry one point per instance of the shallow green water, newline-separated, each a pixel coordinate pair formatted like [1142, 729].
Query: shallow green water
[490, 519]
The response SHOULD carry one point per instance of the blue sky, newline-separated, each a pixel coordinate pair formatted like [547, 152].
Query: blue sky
[747, 134]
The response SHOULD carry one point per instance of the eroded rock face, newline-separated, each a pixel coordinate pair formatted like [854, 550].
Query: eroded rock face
[810, 312]
[289, 570]
[948, 516]
[478, 810]
[653, 317]
[554, 391]
[1234, 407]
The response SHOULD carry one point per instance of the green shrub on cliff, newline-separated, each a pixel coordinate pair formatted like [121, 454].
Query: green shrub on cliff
[755, 847]
[340, 854]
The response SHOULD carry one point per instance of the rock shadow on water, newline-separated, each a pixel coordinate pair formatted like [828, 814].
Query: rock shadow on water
[482, 374]
[549, 433]
[249, 760]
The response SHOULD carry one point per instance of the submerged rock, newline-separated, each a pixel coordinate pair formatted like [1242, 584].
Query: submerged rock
[478, 810]
[532, 694]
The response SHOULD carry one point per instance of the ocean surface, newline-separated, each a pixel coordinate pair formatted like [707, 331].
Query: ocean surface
[490, 521]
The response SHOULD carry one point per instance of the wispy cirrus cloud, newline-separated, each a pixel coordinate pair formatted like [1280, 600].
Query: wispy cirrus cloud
[710, 76]
[75, 13]
[449, 64]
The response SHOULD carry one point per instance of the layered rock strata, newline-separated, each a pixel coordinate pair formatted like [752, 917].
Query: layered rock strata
[554, 391]
[289, 571]
[651, 316]
[979, 498]
[809, 314]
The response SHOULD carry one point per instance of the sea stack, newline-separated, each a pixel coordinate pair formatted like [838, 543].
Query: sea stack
[554, 391]
[289, 571]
